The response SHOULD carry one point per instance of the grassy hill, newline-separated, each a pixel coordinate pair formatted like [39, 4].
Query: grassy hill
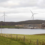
[23, 22]
[12, 24]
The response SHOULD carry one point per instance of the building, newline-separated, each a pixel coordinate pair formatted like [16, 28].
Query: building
[36, 24]
[43, 25]
[19, 25]
[30, 26]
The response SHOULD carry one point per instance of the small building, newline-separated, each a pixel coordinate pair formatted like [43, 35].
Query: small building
[43, 25]
[35, 26]
[19, 25]
[31, 26]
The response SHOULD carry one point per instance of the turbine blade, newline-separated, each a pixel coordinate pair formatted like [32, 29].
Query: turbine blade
[31, 11]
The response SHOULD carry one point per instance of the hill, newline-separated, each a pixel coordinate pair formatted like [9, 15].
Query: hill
[23, 22]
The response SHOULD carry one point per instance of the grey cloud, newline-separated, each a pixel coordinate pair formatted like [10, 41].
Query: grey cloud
[41, 4]
[26, 3]
[29, 3]
[3, 0]
[22, 3]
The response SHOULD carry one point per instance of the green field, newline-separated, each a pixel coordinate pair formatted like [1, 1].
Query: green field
[10, 27]
[17, 39]
[9, 41]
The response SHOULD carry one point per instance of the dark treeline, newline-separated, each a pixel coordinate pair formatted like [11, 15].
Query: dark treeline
[23, 22]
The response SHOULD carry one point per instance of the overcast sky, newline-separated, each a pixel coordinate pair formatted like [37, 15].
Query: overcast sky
[19, 10]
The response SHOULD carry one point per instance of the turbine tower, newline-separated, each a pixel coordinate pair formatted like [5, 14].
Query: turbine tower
[4, 21]
[33, 17]
[4, 16]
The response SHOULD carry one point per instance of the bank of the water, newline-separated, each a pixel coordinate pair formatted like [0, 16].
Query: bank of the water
[10, 27]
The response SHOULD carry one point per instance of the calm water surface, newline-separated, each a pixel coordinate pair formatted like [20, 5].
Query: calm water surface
[22, 31]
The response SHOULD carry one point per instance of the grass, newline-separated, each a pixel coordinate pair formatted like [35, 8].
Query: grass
[10, 27]
[11, 41]
[8, 41]
[18, 39]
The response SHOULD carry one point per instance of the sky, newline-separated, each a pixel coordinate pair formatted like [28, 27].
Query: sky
[20, 10]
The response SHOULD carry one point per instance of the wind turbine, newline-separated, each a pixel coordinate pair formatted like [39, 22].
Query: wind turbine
[4, 16]
[33, 17]
[4, 21]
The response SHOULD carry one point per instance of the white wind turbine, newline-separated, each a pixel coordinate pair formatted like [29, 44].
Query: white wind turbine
[33, 17]
[4, 21]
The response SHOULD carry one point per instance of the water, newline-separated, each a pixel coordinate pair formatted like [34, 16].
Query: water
[22, 31]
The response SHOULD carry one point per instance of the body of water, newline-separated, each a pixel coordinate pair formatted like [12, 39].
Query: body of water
[22, 31]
